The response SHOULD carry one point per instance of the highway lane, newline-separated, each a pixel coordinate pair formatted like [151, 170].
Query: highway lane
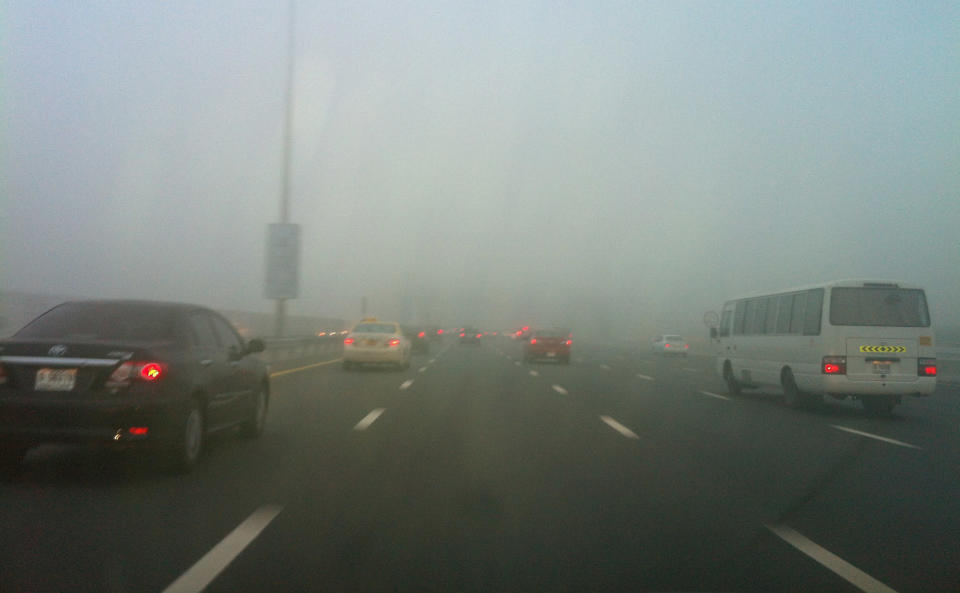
[478, 475]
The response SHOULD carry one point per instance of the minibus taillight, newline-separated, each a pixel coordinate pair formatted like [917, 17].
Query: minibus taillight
[834, 365]
[927, 367]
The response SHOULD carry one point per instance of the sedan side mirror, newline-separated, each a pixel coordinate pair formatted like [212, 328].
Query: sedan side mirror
[255, 345]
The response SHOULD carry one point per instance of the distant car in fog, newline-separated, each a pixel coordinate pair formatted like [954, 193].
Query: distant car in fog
[419, 338]
[551, 344]
[434, 332]
[470, 335]
[375, 341]
[669, 345]
[133, 374]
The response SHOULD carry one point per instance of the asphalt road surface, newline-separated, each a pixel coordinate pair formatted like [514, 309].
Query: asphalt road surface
[473, 471]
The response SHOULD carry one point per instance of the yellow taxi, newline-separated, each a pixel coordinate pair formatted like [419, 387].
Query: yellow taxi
[375, 341]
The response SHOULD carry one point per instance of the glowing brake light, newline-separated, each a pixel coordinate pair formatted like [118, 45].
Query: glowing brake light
[348, 341]
[138, 430]
[569, 342]
[666, 345]
[151, 371]
[129, 371]
[686, 346]
[421, 334]
[533, 341]
[479, 335]
[394, 342]
[462, 334]
[927, 367]
[834, 365]
[439, 332]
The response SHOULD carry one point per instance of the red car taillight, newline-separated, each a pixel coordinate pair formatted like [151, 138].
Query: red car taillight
[533, 341]
[834, 365]
[569, 342]
[479, 335]
[348, 341]
[462, 334]
[128, 372]
[421, 334]
[927, 367]
[666, 345]
[394, 342]
[686, 346]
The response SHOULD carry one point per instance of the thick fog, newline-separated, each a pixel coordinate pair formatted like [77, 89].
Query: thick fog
[613, 165]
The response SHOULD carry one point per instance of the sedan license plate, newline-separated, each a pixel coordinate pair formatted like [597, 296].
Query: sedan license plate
[56, 379]
[881, 368]
[551, 353]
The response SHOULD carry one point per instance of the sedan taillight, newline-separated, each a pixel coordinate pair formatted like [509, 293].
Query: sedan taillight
[533, 341]
[129, 372]
[394, 342]
[348, 341]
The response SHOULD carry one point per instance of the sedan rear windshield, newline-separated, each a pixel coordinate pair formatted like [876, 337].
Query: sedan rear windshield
[375, 328]
[551, 333]
[673, 338]
[881, 307]
[103, 321]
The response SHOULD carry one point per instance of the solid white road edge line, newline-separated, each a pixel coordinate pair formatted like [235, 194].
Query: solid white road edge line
[623, 430]
[369, 419]
[422, 369]
[838, 565]
[534, 373]
[559, 390]
[644, 377]
[716, 395]
[873, 436]
[406, 384]
[221, 555]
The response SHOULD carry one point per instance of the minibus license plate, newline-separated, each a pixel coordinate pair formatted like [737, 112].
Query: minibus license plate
[881, 368]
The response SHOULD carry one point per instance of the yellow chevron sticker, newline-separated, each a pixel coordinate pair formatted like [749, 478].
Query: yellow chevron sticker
[883, 349]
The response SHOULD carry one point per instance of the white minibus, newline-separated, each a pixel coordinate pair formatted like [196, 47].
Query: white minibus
[868, 340]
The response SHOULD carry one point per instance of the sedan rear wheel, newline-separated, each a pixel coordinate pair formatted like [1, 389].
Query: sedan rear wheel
[184, 452]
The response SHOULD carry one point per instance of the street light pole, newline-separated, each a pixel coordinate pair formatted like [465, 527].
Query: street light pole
[281, 304]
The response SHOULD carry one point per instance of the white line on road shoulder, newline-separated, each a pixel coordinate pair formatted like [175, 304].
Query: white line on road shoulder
[560, 390]
[619, 427]
[406, 384]
[644, 377]
[604, 367]
[838, 565]
[716, 395]
[533, 373]
[369, 419]
[221, 555]
[873, 436]
[422, 369]
[433, 360]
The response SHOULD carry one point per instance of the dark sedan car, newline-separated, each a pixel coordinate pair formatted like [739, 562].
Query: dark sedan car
[548, 343]
[419, 339]
[470, 335]
[137, 373]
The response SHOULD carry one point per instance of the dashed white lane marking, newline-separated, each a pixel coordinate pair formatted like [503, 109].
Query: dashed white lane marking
[369, 419]
[422, 369]
[619, 427]
[604, 367]
[560, 390]
[516, 362]
[534, 373]
[689, 370]
[433, 360]
[874, 436]
[716, 395]
[406, 384]
[644, 377]
[220, 556]
[838, 565]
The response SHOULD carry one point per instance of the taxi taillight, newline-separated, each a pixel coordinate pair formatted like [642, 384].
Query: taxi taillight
[348, 341]
[927, 367]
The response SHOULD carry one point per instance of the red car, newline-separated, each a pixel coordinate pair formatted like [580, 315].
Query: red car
[548, 343]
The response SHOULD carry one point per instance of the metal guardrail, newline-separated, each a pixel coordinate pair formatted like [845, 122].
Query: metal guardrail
[305, 347]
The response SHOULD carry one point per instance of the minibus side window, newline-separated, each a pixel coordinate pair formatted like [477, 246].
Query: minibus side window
[814, 308]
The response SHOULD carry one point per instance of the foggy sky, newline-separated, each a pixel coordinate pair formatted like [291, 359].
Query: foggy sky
[617, 163]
